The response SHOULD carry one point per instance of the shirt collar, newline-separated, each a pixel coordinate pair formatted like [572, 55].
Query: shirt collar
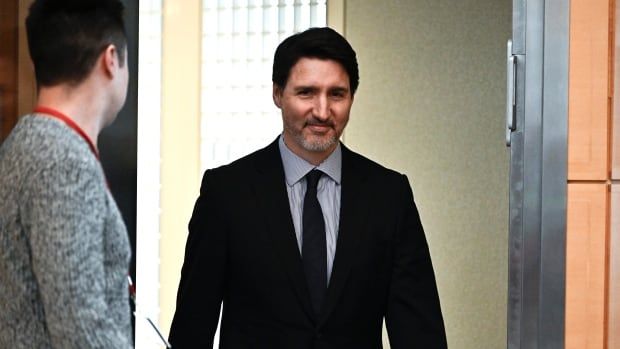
[295, 168]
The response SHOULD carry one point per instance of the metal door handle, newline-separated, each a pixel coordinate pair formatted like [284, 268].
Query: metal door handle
[511, 70]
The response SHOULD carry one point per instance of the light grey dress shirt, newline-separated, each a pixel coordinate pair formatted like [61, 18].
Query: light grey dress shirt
[328, 194]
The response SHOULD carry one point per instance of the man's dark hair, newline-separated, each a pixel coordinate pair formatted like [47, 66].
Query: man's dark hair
[65, 37]
[322, 43]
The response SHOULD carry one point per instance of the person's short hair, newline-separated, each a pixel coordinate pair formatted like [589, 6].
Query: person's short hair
[322, 43]
[66, 37]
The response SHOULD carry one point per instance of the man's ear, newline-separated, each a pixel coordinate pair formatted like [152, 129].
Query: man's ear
[110, 61]
[277, 95]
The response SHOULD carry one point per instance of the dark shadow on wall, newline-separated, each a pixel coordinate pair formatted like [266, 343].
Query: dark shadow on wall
[118, 142]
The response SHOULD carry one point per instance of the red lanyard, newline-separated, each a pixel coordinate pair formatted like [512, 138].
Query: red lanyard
[62, 117]
[67, 120]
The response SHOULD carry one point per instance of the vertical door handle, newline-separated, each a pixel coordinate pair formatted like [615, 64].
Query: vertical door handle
[511, 72]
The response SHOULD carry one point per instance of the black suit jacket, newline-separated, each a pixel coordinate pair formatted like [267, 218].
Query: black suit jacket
[242, 251]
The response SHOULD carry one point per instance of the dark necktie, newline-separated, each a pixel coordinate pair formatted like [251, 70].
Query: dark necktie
[314, 249]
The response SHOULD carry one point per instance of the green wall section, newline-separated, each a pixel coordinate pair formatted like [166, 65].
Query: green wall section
[431, 105]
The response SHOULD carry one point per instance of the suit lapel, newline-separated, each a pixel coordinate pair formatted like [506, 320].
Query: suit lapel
[353, 212]
[270, 187]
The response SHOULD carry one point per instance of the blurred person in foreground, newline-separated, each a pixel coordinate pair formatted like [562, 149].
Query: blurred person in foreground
[64, 249]
[306, 243]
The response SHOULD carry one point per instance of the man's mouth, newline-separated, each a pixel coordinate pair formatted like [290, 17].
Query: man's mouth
[321, 128]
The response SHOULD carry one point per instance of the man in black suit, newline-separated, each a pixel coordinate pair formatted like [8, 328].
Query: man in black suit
[306, 243]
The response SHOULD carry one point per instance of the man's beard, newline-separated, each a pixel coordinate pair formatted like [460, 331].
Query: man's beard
[318, 144]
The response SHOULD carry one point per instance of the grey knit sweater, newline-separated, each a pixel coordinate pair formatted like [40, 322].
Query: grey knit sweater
[64, 250]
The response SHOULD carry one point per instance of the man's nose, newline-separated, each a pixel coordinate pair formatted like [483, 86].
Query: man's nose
[321, 108]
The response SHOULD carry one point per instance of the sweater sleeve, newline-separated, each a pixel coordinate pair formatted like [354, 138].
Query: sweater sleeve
[65, 216]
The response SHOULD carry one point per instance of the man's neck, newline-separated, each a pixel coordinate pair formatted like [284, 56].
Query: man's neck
[77, 103]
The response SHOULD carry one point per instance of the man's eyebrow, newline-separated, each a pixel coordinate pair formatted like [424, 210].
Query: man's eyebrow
[340, 89]
[305, 87]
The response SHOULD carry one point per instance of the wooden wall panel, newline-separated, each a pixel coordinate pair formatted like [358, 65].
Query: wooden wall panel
[588, 90]
[615, 150]
[586, 265]
[26, 82]
[8, 66]
[614, 270]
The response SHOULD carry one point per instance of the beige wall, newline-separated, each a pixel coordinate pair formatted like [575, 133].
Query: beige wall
[431, 105]
[180, 143]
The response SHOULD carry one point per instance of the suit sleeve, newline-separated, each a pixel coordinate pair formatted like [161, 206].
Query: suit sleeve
[413, 318]
[202, 282]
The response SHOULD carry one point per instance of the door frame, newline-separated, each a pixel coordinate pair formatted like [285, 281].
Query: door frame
[538, 178]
